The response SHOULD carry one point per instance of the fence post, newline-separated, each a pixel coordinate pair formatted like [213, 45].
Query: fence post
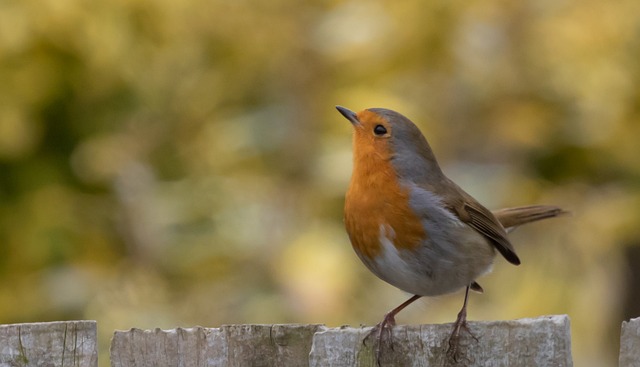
[70, 343]
[630, 343]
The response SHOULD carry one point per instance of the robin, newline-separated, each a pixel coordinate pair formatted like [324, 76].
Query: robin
[412, 226]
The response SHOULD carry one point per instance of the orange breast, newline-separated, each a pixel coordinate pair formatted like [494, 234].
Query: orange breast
[376, 200]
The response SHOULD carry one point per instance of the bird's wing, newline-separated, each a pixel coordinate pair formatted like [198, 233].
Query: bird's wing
[469, 211]
[481, 219]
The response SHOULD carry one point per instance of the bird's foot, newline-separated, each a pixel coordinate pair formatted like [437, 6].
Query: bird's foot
[387, 323]
[454, 353]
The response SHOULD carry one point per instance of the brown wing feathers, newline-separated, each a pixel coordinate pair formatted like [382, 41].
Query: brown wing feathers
[484, 222]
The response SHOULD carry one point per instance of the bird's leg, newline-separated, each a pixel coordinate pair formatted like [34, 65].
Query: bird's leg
[388, 322]
[461, 323]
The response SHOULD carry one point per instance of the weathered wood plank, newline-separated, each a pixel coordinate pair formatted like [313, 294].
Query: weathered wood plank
[70, 343]
[544, 341]
[630, 343]
[230, 345]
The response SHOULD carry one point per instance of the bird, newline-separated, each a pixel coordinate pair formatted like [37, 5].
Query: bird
[412, 226]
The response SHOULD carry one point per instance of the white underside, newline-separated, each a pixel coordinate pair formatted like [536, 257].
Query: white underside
[432, 273]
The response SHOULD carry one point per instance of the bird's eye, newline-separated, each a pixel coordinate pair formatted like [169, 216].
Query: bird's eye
[379, 130]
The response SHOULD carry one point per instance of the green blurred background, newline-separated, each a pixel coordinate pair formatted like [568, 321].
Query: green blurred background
[178, 163]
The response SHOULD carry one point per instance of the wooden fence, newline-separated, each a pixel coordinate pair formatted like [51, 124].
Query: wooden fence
[543, 341]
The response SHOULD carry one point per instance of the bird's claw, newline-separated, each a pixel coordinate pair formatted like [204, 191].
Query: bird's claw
[453, 352]
[387, 323]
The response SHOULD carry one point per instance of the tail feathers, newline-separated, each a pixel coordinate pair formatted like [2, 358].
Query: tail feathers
[510, 218]
[474, 286]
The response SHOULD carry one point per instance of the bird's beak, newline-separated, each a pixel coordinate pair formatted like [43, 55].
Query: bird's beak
[350, 115]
